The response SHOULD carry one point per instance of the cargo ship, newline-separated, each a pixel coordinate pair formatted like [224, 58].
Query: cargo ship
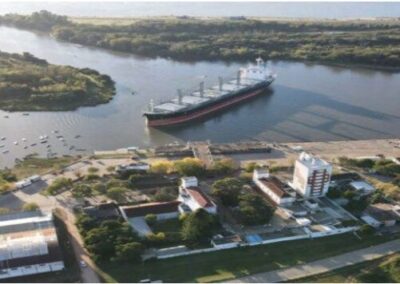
[249, 82]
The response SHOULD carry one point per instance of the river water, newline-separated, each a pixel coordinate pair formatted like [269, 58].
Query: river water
[307, 103]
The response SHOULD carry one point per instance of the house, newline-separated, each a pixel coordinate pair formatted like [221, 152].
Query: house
[28, 245]
[277, 191]
[311, 176]
[381, 214]
[135, 215]
[193, 198]
[103, 211]
[362, 186]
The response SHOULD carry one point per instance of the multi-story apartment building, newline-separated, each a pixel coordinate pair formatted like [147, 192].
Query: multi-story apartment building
[311, 176]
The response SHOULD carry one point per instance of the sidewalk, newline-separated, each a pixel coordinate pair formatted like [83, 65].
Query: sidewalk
[323, 265]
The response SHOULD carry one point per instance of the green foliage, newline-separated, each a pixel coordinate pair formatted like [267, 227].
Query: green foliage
[32, 206]
[367, 42]
[7, 175]
[109, 240]
[250, 167]
[189, 167]
[223, 167]
[253, 210]
[82, 190]
[198, 227]
[386, 272]
[93, 170]
[151, 219]
[162, 167]
[85, 223]
[29, 83]
[100, 188]
[59, 185]
[4, 210]
[227, 191]
[117, 194]
[165, 194]
[128, 252]
[366, 230]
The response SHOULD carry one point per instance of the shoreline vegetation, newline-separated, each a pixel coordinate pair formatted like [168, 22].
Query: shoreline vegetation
[28, 83]
[372, 43]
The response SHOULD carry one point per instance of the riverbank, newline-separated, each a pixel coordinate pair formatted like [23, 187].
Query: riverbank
[28, 83]
[237, 38]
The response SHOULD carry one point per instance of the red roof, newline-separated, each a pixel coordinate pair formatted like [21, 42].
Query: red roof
[275, 185]
[202, 199]
[151, 208]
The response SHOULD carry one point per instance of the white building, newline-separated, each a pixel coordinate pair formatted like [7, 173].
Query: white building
[193, 198]
[28, 245]
[311, 176]
[280, 193]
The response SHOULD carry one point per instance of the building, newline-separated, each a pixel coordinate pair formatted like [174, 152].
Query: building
[135, 215]
[133, 167]
[277, 191]
[381, 214]
[193, 198]
[103, 211]
[28, 245]
[362, 187]
[311, 176]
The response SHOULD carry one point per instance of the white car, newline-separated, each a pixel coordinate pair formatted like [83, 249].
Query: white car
[82, 264]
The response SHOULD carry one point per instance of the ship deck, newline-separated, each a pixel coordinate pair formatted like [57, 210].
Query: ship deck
[195, 97]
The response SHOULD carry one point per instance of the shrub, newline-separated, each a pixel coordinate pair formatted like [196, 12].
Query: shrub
[30, 206]
[189, 167]
[151, 219]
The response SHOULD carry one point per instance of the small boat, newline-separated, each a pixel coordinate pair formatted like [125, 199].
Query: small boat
[25, 114]
[41, 137]
[48, 146]
[44, 142]
[61, 139]
[55, 131]
[5, 152]
[25, 147]
[33, 145]
[59, 136]
[3, 138]
[23, 139]
[15, 142]
[77, 136]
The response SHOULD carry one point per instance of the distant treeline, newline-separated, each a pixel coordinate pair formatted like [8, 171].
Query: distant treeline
[374, 42]
[30, 83]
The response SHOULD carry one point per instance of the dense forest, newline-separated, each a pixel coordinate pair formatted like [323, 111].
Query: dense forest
[28, 83]
[373, 43]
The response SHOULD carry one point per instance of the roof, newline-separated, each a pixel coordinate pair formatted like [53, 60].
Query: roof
[150, 208]
[312, 161]
[227, 240]
[362, 185]
[200, 197]
[103, 211]
[382, 212]
[276, 186]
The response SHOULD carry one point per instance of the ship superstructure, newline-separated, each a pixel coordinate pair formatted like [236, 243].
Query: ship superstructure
[249, 82]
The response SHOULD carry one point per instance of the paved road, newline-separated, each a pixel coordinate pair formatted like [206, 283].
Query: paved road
[323, 265]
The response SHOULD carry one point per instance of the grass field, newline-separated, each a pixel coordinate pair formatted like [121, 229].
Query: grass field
[229, 264]
[34, 165]
[350, 274]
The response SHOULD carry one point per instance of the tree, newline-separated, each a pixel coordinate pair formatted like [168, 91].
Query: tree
[198, 227]
[250, 167]
[223, 166]
[30, 206]
[227, 191]
[128, 252]
[117, 194]
[162, 167]
[253, 210]
[165, 194]
[58, 185]
[366, 230]
[189, 167]
[81, 191]
[151, 219]
[85, 223]
[4, 210]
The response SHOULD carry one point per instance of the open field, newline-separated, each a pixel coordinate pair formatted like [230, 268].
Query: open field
[230, 264]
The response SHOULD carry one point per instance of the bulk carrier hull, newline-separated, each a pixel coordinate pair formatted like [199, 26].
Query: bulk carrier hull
[179, 117]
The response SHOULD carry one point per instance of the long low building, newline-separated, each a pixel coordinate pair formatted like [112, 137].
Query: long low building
[28, 245]
[277, 191]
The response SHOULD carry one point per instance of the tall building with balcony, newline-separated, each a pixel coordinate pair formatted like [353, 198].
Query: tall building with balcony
[311, 176]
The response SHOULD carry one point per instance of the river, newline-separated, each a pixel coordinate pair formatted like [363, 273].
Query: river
[308, 102]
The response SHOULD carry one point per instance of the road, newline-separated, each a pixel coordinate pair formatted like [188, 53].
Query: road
[323, 265]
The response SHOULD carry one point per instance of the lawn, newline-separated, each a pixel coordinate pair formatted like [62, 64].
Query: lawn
[171, 225]
[229, 264]
[350, 273]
